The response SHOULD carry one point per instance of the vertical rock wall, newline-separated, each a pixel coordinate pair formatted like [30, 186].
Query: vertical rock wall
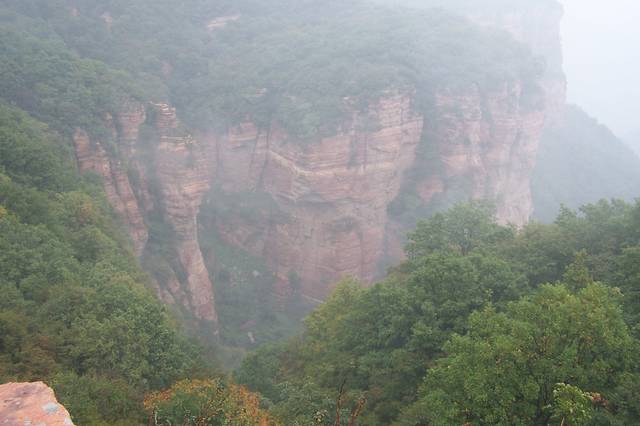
[180, 171]
[326, 209]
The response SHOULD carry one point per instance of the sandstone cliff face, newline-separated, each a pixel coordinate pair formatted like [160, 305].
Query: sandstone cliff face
[487, 143]
[182, 171]
[31, 404]
[94, 158]
[326, 204]
[332, 195]
[181, 178]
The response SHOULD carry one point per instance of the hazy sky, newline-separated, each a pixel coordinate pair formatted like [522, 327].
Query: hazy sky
[602, 60]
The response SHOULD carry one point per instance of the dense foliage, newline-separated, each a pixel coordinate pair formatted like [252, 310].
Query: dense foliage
[73, 309]
[482, 324]
[206, 403]
[44, 77]
[505, 369]
[300, 64]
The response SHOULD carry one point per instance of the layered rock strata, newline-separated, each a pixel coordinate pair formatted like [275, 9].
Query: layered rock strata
[332, 195]
[326, 204]
[173, 160]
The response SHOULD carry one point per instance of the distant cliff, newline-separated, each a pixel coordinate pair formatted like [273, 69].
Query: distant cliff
[181, 174]
[333, 207]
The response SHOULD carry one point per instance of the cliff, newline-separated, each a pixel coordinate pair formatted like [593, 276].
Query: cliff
[317, 211]
[182, 172]
[537, 25]
[161, 173]
[31, 404]
[488, 144]
[331, 195]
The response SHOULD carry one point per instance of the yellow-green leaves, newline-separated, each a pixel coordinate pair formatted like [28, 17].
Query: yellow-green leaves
[571, 405]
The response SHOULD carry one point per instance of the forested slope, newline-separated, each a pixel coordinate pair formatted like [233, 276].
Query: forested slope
[484, 324]
[75, 307]
[74, 310]
[289, 61]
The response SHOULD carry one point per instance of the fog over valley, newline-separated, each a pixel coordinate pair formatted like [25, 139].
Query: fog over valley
[602, 62]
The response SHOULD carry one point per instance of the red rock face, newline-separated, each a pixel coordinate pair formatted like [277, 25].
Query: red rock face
[93, 157]
[31, 404]
[181, 172]
[332, 195]
[328, 200]
[489, 141]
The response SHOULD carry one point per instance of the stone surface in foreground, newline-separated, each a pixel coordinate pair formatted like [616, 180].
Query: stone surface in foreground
[31, 404]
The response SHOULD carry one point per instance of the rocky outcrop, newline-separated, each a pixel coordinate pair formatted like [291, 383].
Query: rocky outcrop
[487, 143]
[182, 171]
[170, 158]
[31, 404]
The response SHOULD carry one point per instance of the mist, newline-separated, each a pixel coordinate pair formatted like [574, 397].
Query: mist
[602, 61]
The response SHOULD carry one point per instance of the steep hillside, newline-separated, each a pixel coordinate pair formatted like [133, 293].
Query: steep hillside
[74, 308]
[580, 161]
[257, 156]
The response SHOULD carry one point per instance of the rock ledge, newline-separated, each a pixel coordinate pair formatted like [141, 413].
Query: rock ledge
[31, 404]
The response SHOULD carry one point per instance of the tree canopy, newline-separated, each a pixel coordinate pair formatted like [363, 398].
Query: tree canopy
[483, 324]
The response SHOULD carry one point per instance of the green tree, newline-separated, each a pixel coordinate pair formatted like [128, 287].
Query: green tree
[206, 403]
[505, 369]
[571, 405]
[461, 229]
